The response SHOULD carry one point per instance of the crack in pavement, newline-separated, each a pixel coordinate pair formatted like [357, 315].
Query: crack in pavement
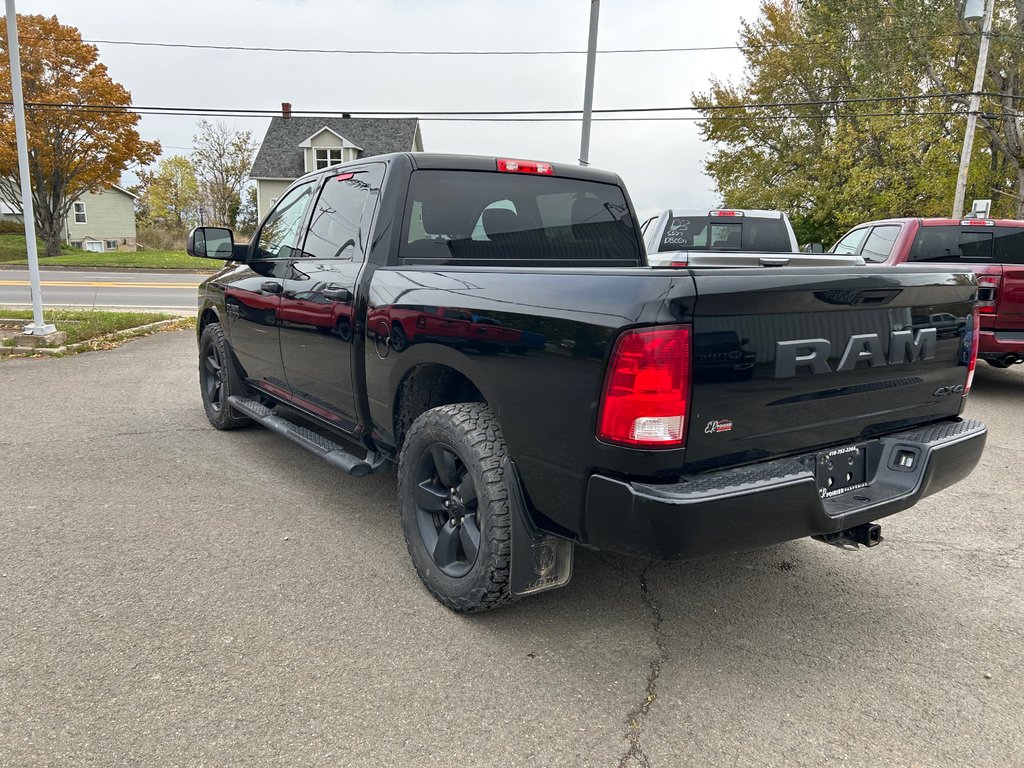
[636, 717]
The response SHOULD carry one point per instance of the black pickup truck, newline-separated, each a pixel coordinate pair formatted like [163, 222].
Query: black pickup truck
[491, 326]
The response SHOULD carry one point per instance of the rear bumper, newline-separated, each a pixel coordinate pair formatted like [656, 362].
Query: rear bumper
[1000, 343]
[746, 508]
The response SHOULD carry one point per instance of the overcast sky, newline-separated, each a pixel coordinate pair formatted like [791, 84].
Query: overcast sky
[661, 162]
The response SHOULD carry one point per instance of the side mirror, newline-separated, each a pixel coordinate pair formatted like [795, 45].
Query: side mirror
[211, 243]
[338, 294]
[813, 248]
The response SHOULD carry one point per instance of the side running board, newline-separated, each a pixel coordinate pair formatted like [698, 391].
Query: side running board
[329, 451]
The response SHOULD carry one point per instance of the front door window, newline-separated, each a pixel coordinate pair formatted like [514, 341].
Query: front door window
[281, 229]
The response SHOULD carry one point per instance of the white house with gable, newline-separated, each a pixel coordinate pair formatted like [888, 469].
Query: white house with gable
[294, 146]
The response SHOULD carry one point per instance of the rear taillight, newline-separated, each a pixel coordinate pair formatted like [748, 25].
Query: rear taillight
[725, 213]
[507, 165]
[679, 264]
[972, 360]
[988, 288]
[647, 388]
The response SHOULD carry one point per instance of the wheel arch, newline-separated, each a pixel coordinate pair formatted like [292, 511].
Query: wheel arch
[208, 315]
[430, 385]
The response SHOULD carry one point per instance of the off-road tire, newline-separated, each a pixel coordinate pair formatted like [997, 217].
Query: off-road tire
[471, 432]
[215, 355]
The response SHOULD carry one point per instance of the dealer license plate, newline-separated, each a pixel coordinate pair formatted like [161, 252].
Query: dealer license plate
[840, 471]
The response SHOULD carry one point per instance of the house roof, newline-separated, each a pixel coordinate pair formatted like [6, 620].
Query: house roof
[281, 157]
[308, 143]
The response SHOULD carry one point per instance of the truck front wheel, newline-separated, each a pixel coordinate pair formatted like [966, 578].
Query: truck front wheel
[454, 506]
[218, 379]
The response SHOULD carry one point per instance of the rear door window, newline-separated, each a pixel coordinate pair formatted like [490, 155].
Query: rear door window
[879, 243]
[335, 226]
[489, 218]
[951, 244]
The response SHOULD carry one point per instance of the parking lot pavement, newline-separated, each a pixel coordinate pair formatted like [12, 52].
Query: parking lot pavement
[172, 595]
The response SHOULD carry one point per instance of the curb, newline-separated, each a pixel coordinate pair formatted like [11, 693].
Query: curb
[52, 351]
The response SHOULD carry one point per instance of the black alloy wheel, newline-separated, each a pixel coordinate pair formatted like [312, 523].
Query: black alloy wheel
[213, 378]
[219, 379]
[454, 508]
[446, 510]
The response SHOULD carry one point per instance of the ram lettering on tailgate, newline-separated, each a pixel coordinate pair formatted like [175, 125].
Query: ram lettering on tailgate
[904, 346]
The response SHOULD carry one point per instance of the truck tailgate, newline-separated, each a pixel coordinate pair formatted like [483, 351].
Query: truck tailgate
[1007, 313]
[791, 360]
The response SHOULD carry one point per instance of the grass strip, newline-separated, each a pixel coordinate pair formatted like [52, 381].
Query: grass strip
[84, 325]
[12, 252]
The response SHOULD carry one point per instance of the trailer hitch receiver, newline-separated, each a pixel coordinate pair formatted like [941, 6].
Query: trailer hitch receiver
[866, 534]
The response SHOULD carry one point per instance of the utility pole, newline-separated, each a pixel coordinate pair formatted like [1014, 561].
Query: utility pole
[588, 89]
[36, 327]
[972, 112]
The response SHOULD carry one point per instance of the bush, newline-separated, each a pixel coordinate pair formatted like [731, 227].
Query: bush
[156, 238]
[11, 228]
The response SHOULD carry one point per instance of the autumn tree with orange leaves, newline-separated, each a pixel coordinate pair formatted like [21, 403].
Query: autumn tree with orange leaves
[71, 151]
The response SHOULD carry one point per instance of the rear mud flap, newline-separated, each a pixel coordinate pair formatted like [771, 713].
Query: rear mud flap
[539, 562]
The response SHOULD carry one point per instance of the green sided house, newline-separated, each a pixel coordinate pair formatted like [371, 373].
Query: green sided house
[97, 221]
[294, 146]
[103, 221]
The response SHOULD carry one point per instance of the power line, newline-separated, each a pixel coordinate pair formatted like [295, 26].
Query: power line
[244, 112]
[558, 119]
[737, 118]
[567, 52]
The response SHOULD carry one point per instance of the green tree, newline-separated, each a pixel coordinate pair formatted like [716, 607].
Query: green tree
[71, 151]
[248, 216]
[839, 160]
[222, 158]
[169, 195]
[950, 66]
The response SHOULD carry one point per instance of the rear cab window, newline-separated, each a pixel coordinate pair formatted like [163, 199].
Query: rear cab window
[953, 243]
[711, 233]
[492, 218]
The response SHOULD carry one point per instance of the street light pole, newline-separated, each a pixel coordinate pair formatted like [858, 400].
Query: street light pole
[972, 112]
[37, 327]
[588, 88]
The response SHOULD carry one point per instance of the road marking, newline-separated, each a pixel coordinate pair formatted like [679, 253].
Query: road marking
[104, 284]
[136, 307]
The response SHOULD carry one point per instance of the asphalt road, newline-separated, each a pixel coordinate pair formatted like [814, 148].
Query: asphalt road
[172, 291]
[175, 596]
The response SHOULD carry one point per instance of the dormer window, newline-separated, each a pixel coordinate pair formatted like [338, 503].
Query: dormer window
[327, 156]
[326, 148]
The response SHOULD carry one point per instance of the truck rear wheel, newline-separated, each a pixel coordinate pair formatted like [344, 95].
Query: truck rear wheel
[454, 506]
[219, 379]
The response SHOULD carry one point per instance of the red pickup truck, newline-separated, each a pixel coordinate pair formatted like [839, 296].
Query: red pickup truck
[992, 248]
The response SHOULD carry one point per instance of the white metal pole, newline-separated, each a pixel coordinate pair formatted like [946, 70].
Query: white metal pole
[972, 112]
[36, 327]
[588, 88]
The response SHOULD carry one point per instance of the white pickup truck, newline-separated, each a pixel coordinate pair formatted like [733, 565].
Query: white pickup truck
[698, 237]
